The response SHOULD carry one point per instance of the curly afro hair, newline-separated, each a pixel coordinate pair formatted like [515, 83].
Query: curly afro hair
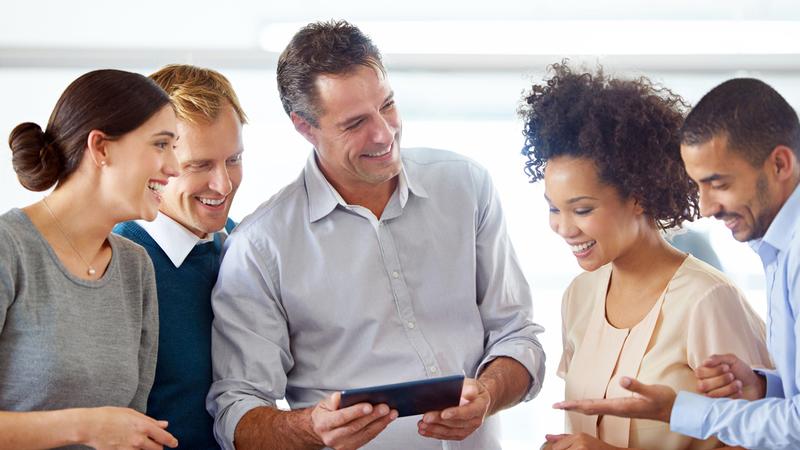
[630, 129]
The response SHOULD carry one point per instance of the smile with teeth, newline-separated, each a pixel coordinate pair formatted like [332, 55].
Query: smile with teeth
[581, 248]
[376, 154]
[156, 187]
[211, 201]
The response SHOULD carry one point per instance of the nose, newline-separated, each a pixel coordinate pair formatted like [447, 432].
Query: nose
[384, 131]
[220, 180]
[708, 205]
[564, 226]
[170, 164]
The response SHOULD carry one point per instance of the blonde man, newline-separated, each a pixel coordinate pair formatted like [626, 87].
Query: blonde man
[184, 243]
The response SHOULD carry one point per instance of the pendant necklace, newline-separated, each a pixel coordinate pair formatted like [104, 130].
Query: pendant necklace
[90, 270]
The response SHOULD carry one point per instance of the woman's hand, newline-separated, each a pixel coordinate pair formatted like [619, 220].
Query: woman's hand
[580, 441]
[112, 428]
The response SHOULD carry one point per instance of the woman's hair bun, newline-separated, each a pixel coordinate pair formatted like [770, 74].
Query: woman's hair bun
[36, 159]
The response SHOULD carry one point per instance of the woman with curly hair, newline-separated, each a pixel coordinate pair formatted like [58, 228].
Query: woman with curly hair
[609, 152]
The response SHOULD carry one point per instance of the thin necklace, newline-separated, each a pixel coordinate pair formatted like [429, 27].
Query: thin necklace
[90, 270]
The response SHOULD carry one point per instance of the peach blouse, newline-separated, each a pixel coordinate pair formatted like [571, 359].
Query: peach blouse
[699, 314]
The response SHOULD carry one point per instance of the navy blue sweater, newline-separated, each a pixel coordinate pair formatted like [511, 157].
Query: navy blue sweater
[183, 368]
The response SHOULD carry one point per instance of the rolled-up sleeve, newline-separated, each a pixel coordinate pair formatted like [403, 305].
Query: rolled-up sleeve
[504, 297]
[249, 337]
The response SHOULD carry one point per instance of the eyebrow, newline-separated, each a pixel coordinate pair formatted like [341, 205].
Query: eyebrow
[349, 121]
[209, 160]
[573, 199]
[582, 197]
[165, 133]
[713, 177]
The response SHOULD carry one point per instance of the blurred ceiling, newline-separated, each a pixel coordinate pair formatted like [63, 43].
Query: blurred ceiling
[52, 33]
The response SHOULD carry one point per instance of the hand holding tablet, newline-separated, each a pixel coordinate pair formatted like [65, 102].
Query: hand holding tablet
[410, 398]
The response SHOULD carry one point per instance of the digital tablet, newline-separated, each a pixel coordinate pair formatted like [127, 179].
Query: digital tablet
[410, 398]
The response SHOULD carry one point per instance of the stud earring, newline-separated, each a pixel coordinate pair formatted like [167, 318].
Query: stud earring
[103, 163]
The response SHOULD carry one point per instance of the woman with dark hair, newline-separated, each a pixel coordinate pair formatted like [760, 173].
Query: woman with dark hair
[609, 153]
[78, 313]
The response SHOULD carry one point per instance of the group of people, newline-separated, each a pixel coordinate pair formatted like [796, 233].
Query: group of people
[379, 265]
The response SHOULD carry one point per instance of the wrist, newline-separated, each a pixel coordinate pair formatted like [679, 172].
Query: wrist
[761, 384]
[74, 422]
[670, 406]
[305, 424]
[490, 394]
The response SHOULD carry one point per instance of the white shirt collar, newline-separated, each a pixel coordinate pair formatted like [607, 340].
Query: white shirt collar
[176, 241]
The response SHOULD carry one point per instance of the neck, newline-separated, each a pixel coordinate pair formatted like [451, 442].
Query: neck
[649, 255]
[86, 224]
[788, 188]
[371, 196]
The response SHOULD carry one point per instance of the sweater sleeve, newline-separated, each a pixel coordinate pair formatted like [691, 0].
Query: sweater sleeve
[148, 347]
[8, 257]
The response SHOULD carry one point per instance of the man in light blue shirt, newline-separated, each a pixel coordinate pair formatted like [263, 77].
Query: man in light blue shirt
[741, 144]
[375, 266]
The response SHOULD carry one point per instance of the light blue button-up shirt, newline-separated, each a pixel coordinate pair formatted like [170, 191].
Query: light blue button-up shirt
[774, 422]
[316, 296]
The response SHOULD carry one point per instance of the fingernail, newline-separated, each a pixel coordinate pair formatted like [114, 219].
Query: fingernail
[423, 426]
[393, 415]
[625, 382]
[367, 409]
[383, 410]
[447, 415]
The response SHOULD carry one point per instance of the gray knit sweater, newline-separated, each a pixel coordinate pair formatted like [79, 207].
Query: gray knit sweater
[67, 342]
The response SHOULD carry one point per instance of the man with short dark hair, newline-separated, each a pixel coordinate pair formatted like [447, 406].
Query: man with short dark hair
[376, 266]
[741, 144]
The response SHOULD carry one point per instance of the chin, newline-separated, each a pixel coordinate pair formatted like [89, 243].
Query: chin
[589, 267]
[210, 226]
[149, 215]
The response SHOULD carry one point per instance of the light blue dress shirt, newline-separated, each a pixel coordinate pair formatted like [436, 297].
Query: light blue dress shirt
[316, 296]
[774, 422]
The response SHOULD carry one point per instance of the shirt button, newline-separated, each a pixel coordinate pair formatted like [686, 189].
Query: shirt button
[396, 274]
[434, 369]
[410, 325]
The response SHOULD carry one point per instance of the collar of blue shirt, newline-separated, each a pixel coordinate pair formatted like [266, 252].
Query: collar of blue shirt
[323, 197]
[781, 230]
[176, 241]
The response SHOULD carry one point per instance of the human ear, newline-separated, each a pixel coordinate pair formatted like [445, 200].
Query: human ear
[783, 162]
[304, 128]
[638, 209]
[97, 148]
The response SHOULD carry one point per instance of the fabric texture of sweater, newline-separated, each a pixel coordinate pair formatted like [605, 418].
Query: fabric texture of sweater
[66, 342]
[183, 370]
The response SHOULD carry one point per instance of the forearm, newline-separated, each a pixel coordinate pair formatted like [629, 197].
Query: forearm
[507, 382]
[40, 429]
[270, 428]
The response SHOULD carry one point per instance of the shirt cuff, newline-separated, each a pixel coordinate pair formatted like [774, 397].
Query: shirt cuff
[689, 414]
[226, 424]
[774, 384]
[532, 358]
